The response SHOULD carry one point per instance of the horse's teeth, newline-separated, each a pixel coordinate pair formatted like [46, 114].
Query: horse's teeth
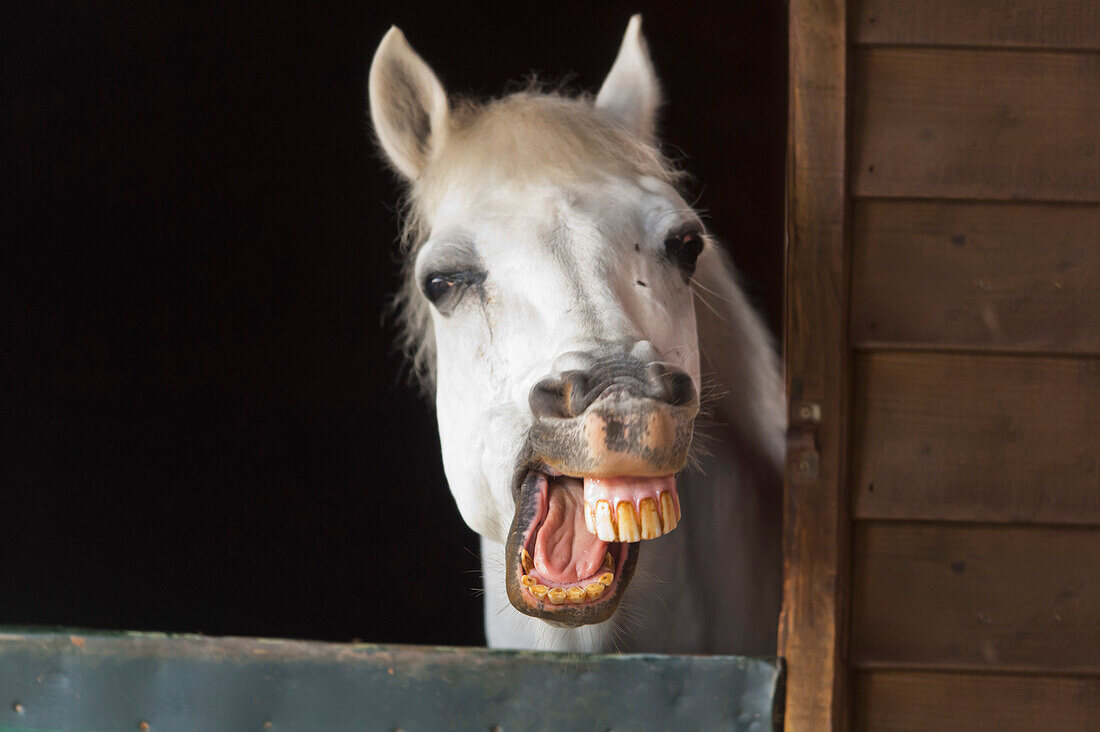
[628, 522]
[608, 561]
[668, 511]
[526, 559]
[605, 529]
[631, 518]
[650, 519]
[575, 594]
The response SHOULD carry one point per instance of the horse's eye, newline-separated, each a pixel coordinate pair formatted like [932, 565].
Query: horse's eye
[437, 286]
[684, 249]
[444, 288]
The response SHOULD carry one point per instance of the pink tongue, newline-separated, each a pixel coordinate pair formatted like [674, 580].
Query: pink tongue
[564, 550]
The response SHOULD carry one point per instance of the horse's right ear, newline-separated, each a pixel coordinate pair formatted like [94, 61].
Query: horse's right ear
[407, 105]
[630, 94]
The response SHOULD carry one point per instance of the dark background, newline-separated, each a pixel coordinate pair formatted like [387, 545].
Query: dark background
[204, 425]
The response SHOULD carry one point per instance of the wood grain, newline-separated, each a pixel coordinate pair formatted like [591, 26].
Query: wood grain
[1055, 24]
[815, 531]
[935, 123]
[976, 438]
[1012, 276]
[904, 701]
[1020, 598]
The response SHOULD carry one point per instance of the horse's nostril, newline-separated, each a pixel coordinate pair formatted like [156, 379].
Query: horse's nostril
[561, 397]
[569, 395]
[670, 384]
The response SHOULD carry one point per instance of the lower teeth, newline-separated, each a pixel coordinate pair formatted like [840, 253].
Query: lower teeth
[575, 594]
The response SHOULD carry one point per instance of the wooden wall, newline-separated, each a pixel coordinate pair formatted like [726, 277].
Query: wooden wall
[974, 481]
[942, 500]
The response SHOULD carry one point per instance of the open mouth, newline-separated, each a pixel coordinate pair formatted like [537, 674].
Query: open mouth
[573, 544]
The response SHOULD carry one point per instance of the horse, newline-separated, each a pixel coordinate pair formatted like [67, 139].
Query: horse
[571, 317]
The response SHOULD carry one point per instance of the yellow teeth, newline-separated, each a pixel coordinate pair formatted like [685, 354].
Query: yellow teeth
[652, 517]
[575, 595]
[669, 515]
[628, 523]
[526, 559]
[649, 518]
[608, 561]
[605, 529]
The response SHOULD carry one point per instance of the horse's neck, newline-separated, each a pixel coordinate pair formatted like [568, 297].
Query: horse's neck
[713, 584]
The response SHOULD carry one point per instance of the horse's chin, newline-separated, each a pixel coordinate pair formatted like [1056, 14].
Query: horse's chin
[566, 561]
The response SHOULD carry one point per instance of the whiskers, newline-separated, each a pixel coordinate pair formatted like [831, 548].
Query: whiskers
[699, 296]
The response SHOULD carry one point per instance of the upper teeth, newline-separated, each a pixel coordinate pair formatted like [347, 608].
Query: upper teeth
[629, 523]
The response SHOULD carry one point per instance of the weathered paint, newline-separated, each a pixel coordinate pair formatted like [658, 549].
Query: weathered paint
[98, 682]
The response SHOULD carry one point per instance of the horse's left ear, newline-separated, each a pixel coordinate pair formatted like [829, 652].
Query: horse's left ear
[630, 94]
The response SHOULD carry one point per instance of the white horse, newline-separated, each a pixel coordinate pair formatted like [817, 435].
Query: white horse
[564, 305]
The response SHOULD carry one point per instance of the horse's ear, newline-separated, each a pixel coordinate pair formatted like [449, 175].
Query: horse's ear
[407, 105]
[630, 94]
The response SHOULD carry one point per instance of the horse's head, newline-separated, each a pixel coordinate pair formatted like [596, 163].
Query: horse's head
[548, 302]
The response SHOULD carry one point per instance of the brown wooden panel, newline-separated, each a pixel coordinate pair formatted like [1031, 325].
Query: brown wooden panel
[981, 438]
[904, 701]
[965, 596]
[934, 123]
[968, 275]
[815, 504]
[1070, 24]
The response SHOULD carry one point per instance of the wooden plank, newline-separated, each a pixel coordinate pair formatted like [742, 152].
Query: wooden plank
[110, 683]
[976, 438]
[903, 701]
[1054, 24]
[933, 123]
[951, 596]
[815, 524]
[967, 275]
